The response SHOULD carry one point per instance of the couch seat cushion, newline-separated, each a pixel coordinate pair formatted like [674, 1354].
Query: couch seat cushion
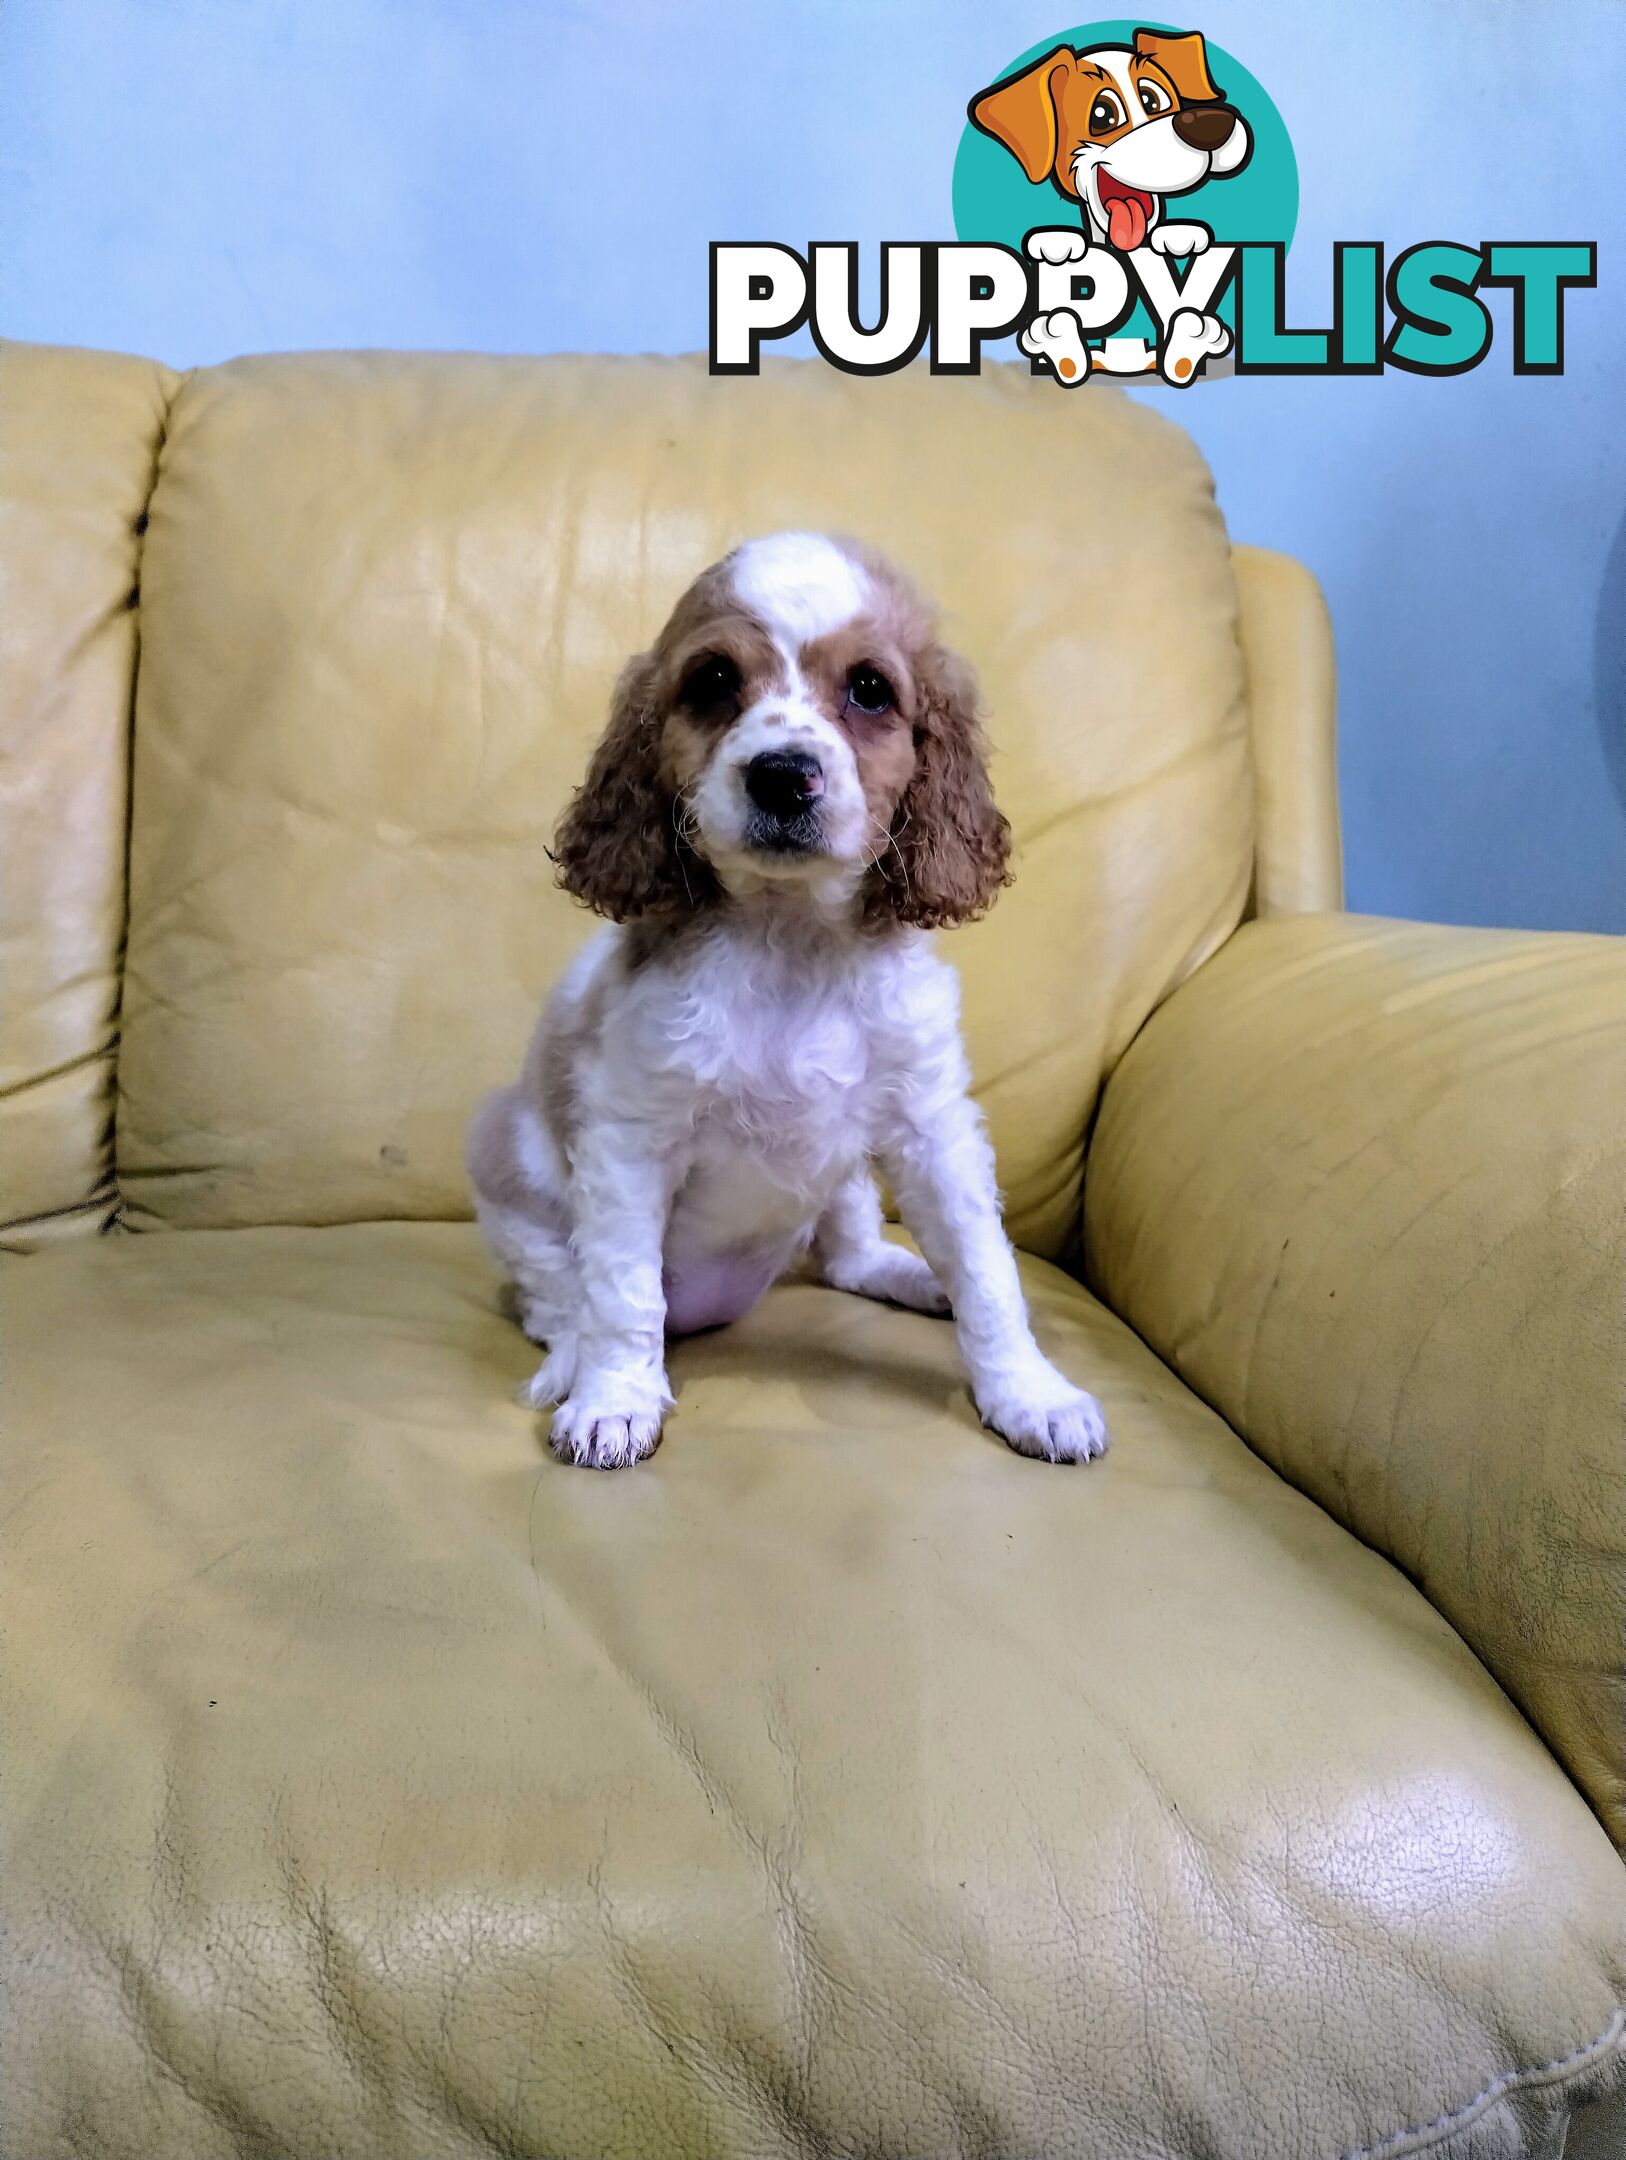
[835, 1783]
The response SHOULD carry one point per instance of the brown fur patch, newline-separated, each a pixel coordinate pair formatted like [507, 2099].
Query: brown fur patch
[1021, 111]
[948, 846]
[1181, 58]
[618, 846]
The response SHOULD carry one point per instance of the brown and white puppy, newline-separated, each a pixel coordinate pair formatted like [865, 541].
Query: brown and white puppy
[1118, 129]
[790, 793]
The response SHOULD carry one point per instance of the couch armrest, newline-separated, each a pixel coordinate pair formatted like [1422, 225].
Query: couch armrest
[1292, 678]
[1363, 1185]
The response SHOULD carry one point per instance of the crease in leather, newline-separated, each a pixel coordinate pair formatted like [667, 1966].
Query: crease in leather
[25, 1236]
[668, 1729]
[117, 1017]
[805, 1969]
[107, 413]
[10, 1089]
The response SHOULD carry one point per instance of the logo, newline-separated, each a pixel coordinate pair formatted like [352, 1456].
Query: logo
[1110, 160]
[1124, 198]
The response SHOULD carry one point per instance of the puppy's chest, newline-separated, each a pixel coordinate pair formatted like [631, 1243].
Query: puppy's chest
[783, 1087]
[783, 1077]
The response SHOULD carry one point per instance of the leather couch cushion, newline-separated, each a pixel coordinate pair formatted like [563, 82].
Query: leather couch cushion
[837, 1782]
[79, 435]
[383, 603]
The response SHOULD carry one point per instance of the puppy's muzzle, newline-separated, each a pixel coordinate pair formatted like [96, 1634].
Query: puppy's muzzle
[1205, 127]
[785, 785]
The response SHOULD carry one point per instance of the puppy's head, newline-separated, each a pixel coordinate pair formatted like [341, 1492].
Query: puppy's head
[1119, 127]
[796, 723]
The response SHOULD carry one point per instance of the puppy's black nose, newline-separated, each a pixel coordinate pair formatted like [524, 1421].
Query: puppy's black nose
[784, 783]
[1205, 127]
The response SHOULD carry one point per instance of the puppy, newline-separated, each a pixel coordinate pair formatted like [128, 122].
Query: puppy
[790, 794]
[1118, 129]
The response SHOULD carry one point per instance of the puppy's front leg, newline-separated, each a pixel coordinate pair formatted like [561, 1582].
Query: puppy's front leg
[941, 1168]
[621, 1186]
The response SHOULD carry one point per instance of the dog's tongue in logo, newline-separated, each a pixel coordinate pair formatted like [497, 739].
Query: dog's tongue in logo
[1129, 212]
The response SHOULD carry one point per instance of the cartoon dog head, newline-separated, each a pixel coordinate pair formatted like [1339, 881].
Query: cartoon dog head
[1118, 128]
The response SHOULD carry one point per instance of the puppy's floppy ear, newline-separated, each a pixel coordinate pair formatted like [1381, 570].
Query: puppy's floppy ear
[617, 845]
[1021, 112]
[1183, 57]
[949, 850]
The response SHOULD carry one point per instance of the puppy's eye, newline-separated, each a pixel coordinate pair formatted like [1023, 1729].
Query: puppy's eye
[869, 690]
[1106, 113]
[1154, 98]
[711, 682]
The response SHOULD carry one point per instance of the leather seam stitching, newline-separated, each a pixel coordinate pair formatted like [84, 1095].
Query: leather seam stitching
[1497, 2089]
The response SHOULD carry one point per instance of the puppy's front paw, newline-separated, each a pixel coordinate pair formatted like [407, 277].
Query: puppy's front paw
[1058, 244]
[1180, 239]
[1039, 1413]
[610, 1421]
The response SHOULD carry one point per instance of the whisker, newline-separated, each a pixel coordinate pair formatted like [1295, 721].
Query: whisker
[890, 839]
[683, 825]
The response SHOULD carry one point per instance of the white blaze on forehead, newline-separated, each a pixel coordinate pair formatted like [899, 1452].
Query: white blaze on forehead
[800, 584]
[1115, 66]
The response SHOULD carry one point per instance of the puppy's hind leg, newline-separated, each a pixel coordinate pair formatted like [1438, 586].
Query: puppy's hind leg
[520, 1203]
[851, 1252]
[542, 1269]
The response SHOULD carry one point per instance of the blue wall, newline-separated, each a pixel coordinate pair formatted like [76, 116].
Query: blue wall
[196, 178]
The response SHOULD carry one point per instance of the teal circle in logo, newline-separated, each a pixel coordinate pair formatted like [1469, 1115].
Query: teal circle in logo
[995, 201]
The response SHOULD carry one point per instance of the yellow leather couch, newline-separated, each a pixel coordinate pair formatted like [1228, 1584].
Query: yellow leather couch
[838, 1783]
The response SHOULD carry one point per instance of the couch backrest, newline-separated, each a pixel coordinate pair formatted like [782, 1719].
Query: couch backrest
[79, 436]
[383, 599]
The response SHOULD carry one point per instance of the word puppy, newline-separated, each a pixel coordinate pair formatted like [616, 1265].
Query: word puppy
[790, 793]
